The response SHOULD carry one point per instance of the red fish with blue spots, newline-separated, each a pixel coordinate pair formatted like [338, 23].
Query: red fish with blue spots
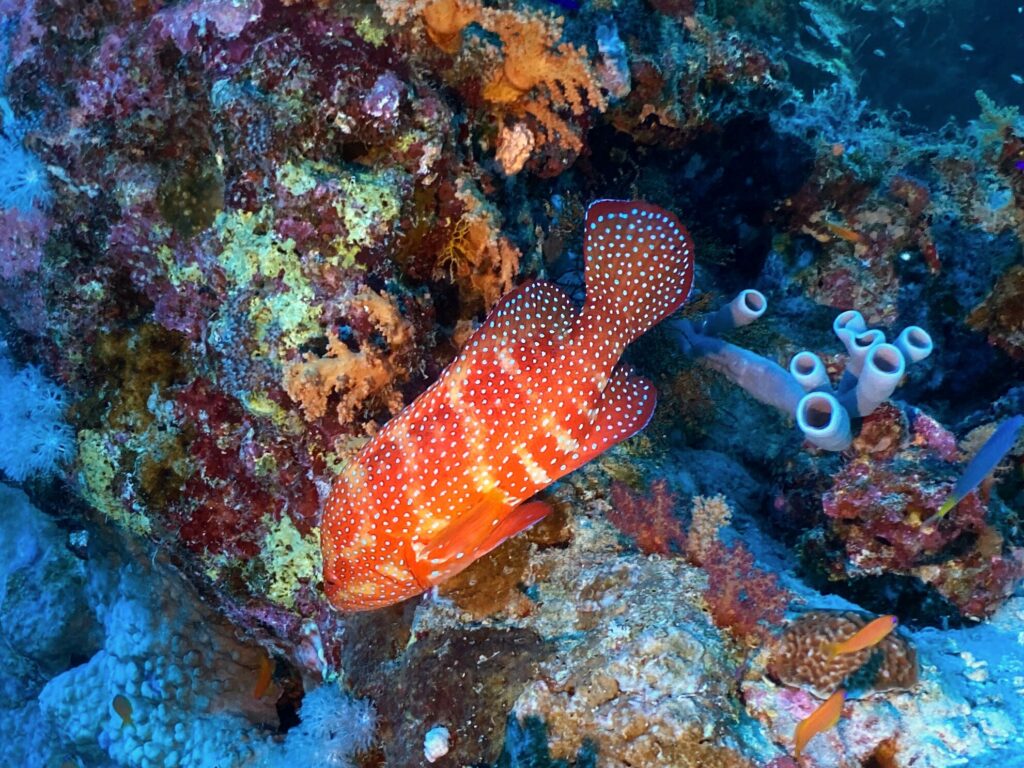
[536, 392]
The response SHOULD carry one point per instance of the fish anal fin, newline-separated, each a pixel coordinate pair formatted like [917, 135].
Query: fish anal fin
[626, 406]
[522, 517]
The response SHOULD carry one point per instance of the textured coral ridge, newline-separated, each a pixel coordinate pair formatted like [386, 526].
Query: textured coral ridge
[879, 508]
[110, 659]
[798, 657]
[535, 394]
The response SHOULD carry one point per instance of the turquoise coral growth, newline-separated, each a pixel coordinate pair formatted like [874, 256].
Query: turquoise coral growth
[36, 439]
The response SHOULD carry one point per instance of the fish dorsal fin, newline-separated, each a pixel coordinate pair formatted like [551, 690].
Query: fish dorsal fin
[534, 313]
[625, 407]
[473, 535]
[638, 266]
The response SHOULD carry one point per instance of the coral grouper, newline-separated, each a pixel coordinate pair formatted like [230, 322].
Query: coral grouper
[535, 393]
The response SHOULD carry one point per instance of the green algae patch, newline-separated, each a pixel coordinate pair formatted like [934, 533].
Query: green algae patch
[98, 473]
[373, 33]
[279, 298]
[290, 560]
[261, 405]
[367, 203]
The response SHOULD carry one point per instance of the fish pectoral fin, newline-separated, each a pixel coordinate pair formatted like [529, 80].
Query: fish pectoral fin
[476, 533]
[521, 518]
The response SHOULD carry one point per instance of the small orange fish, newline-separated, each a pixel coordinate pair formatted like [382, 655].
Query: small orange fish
[535, 393]
[824, 717]
[850, 235]
[264, 678]
[123, 708]
[869, 635]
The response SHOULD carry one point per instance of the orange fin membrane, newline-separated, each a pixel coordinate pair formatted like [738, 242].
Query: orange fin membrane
[479, 531]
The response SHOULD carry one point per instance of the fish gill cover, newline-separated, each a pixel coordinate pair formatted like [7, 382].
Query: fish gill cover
[352, 412]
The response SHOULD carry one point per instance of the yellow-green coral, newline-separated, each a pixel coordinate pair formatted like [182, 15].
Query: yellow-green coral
[261, 405]
[176, 273]
[282, 305]
[98, 470]
[290, 559]
[371, 32]
[253, 257]
[367, 203]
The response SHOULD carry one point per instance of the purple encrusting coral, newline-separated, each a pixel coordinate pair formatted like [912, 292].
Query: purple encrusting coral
[237, 237]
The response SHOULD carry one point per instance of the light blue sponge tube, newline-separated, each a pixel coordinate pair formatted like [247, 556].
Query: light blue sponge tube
[824, 421]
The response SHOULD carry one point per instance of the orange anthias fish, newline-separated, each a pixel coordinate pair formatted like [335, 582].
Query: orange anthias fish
[123, 708]
[824, 717]
[535, 393]
[264, 678]
[850, 235]
[869, 635]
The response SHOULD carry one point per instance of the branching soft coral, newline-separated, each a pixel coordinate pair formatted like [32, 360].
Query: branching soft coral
[332, 728]
[533, 76]
[707, 516]
[36, 440]
[445, 20]
[478, 258]
[650, 521]
[361, 377]
[741, 597]
[534, 58]
[538, 76]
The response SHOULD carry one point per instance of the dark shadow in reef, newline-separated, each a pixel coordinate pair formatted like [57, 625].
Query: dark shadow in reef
[965, 372]
[917, 604]
[526, 746]
[724, 184]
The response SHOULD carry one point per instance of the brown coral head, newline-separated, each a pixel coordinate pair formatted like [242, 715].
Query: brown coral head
[798, 657]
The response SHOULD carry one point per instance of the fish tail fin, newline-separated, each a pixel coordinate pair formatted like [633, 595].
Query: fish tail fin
[947, 505]
[638, 266]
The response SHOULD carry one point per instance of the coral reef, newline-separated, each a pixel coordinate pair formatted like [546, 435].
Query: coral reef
[650, 521]
[237, 237]
[880, 508]
[1001, 314]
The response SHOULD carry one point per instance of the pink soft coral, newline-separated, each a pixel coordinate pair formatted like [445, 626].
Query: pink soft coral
[650, 521]
[741, 597]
